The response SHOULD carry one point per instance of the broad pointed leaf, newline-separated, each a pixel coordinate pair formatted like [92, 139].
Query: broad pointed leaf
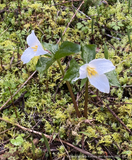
[112, 77]
[88, 52]
[44, 63]
[53, 48]
[73, 71]
[66, 49]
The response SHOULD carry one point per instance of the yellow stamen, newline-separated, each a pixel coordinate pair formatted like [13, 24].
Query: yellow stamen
[91, 71]
[35, 48]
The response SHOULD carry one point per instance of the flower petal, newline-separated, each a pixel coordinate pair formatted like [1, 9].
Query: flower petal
[32, 40]
[82, 72]
[102, 65]
[28, 54]
[100, 82]
[40, 51]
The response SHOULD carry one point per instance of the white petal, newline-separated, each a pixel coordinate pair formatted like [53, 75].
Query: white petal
[83, 71]
[28, 54]
[32, 40]
[40, 51]
[100, 82]
[102, 65]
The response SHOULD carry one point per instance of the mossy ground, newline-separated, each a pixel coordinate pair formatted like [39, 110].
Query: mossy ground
[48, 107]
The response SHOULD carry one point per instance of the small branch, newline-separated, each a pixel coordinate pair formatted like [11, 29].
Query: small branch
[121, 122]
[56, 139]
[70, 21]
[64, 147]
[55, 4]
[18, 90]
[16, 102]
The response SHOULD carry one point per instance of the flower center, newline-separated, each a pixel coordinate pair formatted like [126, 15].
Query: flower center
[35, 48]
[91, 71]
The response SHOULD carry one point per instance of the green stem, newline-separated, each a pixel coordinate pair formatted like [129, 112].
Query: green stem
[86, 99]
[70, 90]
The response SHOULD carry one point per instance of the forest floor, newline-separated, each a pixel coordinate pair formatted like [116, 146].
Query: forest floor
[37, 115]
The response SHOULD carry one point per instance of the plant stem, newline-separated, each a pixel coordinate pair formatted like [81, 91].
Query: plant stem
[70, 90]
[86, 99]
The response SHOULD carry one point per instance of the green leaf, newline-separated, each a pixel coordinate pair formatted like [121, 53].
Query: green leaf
[112, 77]
[33, 148]
[117, 158]
[129, 153]
[66, 49]
[86, 134]
[83, 81]
[18, 141]
[79, 25]
[105, 51]
[51, 47]
[43, 64]
[46, 143]
[88, 52]
[73, 71]
[93, 95]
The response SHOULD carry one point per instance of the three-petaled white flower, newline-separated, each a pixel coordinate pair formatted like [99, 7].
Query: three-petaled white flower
[95, 70]
[35, 48]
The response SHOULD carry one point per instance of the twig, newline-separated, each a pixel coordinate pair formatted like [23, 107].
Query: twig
[121, 122]
[17, 102]
[82, 13]
[71, 20]
[113, 113]
[6, 131]
[64, 147]
[56, 139]
[55, 4]
[4, 31]
[18, 90]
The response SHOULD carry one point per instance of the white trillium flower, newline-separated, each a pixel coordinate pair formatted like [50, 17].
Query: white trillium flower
[35, 48]
[95, 70]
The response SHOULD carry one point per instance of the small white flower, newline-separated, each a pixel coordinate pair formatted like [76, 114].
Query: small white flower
[35, 48]
[95, 70]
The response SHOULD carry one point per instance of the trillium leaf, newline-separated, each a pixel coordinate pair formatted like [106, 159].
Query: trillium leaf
[18, 141]
[105, 51]
[88, 52]
[53, 48]
[66, 49]
[73, 71]
[43, 64]
[112, 77]
[73, 47]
